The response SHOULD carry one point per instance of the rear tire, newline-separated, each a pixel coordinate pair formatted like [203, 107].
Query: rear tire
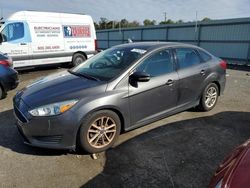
[99, 131]
[78, 59]
[209, 97]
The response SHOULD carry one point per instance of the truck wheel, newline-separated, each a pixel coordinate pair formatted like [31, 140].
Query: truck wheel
[99, 131]
[78, 59]
[209, 97]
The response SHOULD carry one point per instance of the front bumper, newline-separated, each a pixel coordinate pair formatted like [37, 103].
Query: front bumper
[55, 132]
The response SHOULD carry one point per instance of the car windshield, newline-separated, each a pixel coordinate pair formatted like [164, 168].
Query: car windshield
[108, 64]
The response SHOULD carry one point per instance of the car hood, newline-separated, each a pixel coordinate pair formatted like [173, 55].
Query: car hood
[234, 171]
[241, 175]
[59, 87]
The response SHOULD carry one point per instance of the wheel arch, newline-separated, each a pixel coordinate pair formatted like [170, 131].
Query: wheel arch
[212, 78]
[218, 85]
[79, 52]
[110, 108]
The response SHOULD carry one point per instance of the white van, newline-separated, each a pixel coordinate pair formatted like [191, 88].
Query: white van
[38, 38]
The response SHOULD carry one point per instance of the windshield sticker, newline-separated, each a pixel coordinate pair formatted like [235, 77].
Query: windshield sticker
[140, 51]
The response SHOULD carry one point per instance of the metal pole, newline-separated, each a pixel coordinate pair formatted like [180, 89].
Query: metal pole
[196, 15]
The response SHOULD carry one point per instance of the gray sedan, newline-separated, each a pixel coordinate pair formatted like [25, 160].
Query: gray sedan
[119, 89]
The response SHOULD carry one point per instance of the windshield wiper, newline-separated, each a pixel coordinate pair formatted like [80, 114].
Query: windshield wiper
[84, 75]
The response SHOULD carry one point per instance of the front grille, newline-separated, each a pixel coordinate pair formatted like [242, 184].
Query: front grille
[55, 139]
[20, 115]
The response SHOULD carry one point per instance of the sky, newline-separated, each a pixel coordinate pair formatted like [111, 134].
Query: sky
[135, 9]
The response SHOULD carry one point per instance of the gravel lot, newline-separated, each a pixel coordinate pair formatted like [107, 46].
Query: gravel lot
[180, 151]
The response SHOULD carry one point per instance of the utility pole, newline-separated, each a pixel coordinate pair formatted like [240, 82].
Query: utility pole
[196, 17]
[165, 16]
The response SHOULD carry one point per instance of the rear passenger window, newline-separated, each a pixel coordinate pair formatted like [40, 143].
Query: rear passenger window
[205, 56]
[158, 64]
[187, 57]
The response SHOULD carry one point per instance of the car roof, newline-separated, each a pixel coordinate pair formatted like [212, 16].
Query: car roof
[154, 45]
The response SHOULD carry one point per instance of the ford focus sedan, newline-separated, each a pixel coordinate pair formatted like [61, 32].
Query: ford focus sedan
[119, 89]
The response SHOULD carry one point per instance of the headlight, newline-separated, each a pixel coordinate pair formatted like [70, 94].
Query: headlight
[53, 109]
[218, 185]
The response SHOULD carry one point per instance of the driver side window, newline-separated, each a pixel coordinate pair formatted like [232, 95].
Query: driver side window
[13, 31]
[158, 64]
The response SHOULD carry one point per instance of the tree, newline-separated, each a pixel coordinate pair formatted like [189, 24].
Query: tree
[103, 23]
[169, 21]
[124, 23]
[180, 21]
[109, 25]
[133, 24]
[205, 19]
[147, 22]
[96, 25]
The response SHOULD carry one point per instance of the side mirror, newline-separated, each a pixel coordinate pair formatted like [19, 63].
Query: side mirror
[1, 38]
[140, 77]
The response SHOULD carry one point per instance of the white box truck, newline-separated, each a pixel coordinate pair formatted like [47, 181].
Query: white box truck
[38, 38]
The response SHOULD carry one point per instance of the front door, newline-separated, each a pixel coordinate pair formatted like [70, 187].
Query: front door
[16, 42]
[156, 97]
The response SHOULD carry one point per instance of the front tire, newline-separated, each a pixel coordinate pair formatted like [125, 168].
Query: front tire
[78, 59]
[99, 131]
[209, 97]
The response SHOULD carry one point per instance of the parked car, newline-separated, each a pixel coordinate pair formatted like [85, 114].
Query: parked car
[119, 89]
[8, 76]
[234, 171]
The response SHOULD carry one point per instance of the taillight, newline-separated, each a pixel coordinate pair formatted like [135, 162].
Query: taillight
[96, 45]
[223, 64]
[5, 63]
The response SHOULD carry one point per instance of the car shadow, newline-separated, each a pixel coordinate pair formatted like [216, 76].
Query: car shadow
[180, 154]
[11, 139]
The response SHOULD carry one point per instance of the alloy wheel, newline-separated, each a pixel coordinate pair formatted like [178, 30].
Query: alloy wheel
[211, 97]
[101, 132]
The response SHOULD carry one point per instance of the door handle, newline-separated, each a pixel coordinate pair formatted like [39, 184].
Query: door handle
[203, 72]
[170, 82]
[23, 43]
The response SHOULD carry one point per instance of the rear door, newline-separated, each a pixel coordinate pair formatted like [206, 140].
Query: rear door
[192, 72]
[156, 97]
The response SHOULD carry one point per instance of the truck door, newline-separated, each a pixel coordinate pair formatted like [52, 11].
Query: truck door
[16, 42]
